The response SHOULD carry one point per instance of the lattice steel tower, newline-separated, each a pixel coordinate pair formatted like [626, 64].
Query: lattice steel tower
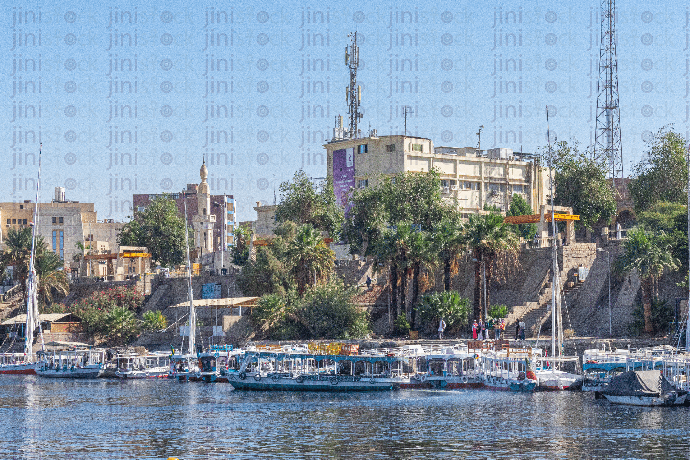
[353, 91]
[607, 136]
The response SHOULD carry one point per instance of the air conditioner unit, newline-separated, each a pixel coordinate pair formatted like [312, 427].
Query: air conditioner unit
[446, 190]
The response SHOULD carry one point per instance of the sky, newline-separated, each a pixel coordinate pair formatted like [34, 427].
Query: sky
[128, 98]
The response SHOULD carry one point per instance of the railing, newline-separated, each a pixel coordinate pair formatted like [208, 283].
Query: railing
[11, 293]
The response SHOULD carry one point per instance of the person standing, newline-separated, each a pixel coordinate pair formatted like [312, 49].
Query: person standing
[441, 328]
[481, 330]
[475, 329]
[521, 326]
[517, 329]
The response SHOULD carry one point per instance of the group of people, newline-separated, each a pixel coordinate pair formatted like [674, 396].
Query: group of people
[481, 331]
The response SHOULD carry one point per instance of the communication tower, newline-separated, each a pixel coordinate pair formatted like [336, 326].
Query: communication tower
[353, 91]
[607, 136]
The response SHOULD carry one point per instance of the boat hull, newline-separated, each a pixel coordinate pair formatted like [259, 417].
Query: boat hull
[647, 400]
[330, 384]
[18, 369]
[76, 373]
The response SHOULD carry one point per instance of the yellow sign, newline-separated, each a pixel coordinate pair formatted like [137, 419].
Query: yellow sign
[136, 254]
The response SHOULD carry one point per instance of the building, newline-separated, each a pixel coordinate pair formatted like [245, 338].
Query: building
[474, 177]
[265, 223]
[211, 216]
[62, 224]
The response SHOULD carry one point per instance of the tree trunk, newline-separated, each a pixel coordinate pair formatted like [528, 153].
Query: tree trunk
[403, 292]
[477, 286]
[415, 293]
[394, 289]
[647, 304]
[446, 274]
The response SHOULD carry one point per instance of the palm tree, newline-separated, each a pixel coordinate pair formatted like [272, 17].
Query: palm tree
[650, 255]
[449, 240]
[309, 256]
[422, 254]
[48, 264]
[489, 238]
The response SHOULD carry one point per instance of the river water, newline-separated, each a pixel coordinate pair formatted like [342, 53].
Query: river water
[110, 419]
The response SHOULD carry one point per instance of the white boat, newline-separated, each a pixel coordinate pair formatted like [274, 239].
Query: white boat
[292, 371]
[218, 363]
[152, 365]
[551, 376]
[16, 363]
[509, 370]
[71, 364]
[643, 388]
[183, 367]
[448, 369]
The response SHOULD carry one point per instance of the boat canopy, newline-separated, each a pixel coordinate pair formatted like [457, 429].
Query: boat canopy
[639, 383]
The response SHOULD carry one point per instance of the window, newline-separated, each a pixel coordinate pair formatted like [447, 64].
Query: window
[390, 148]
[61, 220]
[444, 183]
[21, 206]
[493, 187]
[54, 239]
[24, 221]
[471, 185]
[518, 189]
[362, 183]
[9, 221]
[417, 147]
[54, 220]
[14, 221]
[62, 244]
[363, 148]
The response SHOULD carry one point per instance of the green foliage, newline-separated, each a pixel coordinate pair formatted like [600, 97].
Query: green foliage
[663, 315]
[52, 279]
[309, 257]
[240, 251]
[662, 173]
[671, 219]
[448, 305]
[269, 274]
[401, 327]
[154, 321]
[326, 311]
[159, 228]
[580, 182]
[520, 207]
[103, 313]
[448, 241]
[303, 202]
[498, 311]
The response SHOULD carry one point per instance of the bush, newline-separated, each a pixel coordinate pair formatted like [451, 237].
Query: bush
[448, 305]
[122, 325]
[498, 311]
[154, 321]
[663, 316]
[401, 327]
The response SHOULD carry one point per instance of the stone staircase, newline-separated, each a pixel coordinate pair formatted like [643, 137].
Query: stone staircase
[152, 303]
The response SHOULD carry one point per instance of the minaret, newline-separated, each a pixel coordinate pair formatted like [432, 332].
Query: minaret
[204, 220]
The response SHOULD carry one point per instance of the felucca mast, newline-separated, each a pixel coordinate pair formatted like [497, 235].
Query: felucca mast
[554, 268]
[190, 293]
[32, 313]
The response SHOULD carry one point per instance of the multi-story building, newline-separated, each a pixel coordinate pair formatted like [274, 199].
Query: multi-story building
[215, 213]
[62, 224]
[475, 178]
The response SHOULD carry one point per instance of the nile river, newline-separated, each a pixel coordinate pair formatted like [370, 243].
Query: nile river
[109, 419]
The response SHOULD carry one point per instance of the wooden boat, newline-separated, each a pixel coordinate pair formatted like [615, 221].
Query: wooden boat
[16, 363]
[508, 370]
[551, 376]
[218, 363]
[152, 365]
[643, 388]
[449, 369]
[71, 364]
[293, 371]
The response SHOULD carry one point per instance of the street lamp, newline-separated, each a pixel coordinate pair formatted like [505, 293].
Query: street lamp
[608, 261]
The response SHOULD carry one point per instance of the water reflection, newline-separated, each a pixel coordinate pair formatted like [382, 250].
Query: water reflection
[156, 419]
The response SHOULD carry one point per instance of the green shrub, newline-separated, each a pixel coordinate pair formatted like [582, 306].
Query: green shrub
[401, 327]
[454, 310]
[663, 315]
[498, 311]
[154, 321]
[122, 325]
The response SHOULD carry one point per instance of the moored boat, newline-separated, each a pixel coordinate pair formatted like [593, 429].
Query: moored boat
[152, 365]
[551, 376]
[71, 364]
[16, 363]
[509, 370]
[643, 388]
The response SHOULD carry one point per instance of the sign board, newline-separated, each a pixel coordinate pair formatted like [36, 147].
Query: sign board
[210, 291]
[343, 174]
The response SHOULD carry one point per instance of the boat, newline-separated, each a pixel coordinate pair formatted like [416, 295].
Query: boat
[218, 363]
[299, 371]
[643, 388]
[25, 364]
[448, 369]
[509, 370]
[152, 365]
[551, 377]
[80, 363]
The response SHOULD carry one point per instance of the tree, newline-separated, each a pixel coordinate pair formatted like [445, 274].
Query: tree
[48, 265]
[154, 321]
[447, 305]
[449, 240]
[649, 254]
[580, 183]
[492, 243]
[662, 173]
[309, 257]
[121, 325]
[520, 207]
[160, 229]
[671, 219]
[327, 311]
[240, 251]
[303, 202]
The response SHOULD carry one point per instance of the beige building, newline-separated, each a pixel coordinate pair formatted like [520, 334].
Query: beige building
[475, 178]
[265, 223]
[61, 223]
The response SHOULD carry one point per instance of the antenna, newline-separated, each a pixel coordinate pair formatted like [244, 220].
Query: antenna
[607, 135]
[479, 137]
[405, 112]
[353, 91]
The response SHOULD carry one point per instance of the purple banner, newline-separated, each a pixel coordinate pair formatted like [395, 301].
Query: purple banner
[343, 174]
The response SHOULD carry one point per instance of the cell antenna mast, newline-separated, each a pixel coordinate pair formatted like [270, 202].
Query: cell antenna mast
[607, 136]
[354, 92]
